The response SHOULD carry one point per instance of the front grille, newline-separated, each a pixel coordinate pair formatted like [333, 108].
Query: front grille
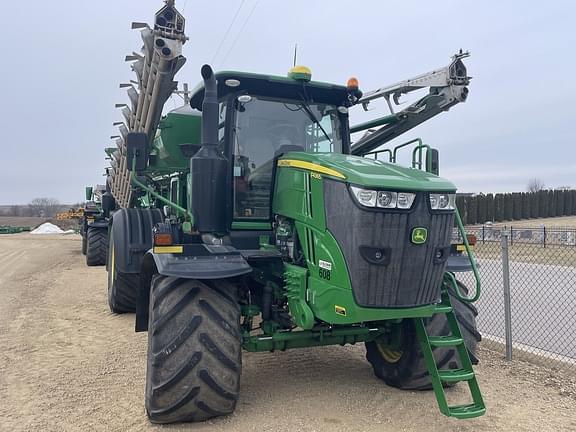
[409, 275]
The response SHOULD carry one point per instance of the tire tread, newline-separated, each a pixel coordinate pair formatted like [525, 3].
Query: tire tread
[96, 246]
[194, 342]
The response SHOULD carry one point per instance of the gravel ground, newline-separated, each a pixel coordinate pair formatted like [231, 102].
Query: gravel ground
[68, 364]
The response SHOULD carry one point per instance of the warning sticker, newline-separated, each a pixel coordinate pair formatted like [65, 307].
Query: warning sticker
[340, 310]
[325, 265]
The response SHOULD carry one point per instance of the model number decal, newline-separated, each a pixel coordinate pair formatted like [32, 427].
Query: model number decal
[325, 267]
[324, 274]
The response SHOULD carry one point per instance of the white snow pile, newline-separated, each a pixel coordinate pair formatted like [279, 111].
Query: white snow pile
[47, 228]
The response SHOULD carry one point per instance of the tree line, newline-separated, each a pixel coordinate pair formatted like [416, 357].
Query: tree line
[482, 208]
[38, 207]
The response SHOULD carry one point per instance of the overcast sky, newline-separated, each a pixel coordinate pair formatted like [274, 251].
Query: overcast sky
[63, 61]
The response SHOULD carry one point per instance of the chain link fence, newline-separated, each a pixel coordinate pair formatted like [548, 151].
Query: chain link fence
[541, 274]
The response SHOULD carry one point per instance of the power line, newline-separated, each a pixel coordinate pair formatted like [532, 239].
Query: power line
[227, 31]
[240, 32]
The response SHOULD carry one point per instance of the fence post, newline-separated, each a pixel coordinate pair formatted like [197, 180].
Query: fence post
[507, 297]
[511, 235]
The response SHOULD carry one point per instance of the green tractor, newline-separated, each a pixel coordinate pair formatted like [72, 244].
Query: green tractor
[94, 227]
[248, 219]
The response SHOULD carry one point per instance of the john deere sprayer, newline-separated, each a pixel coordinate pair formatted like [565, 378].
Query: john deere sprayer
[249, 219]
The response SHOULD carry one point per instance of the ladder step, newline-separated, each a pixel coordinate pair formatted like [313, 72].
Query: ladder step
[442, 308]
[454, 375]
[467, 411]
[444, 341]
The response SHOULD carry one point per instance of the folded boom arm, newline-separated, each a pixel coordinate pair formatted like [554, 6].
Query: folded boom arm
[447, 87]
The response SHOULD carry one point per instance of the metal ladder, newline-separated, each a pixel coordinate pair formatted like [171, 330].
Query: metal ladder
[464, 373]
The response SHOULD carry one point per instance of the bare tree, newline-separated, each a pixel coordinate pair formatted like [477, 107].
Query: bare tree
[535, 185]
[44, 207]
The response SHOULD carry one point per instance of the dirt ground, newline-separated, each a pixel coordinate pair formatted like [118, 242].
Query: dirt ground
[68, 364]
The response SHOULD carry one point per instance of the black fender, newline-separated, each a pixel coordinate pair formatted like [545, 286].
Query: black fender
[200, 261]
[132, 236]
[458, 263]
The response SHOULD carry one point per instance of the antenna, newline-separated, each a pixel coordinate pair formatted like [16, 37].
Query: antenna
[295, 53]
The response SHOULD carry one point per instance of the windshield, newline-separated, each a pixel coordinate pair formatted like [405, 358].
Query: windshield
[266, 128]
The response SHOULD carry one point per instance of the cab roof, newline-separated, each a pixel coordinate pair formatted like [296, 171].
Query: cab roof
[273, 86]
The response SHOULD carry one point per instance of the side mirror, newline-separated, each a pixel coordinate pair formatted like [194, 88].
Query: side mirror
[136, 151]
[88, 193]
[433, 161]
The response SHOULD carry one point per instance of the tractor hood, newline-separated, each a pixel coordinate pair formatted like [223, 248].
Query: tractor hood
[366, 172]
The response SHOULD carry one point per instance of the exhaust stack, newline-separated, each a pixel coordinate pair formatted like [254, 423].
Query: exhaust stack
[209, 167]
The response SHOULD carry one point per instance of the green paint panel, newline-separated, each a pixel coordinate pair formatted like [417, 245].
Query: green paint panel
[299, 195]
[373, 173]
[327, 300]
[296, 284]
[179, 126]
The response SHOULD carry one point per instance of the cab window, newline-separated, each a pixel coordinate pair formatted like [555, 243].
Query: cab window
[266, 128]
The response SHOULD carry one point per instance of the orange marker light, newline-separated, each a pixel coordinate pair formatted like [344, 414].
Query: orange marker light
[352, 84]
[163, 239]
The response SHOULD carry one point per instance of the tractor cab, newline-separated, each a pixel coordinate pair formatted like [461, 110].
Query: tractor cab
[263, 117]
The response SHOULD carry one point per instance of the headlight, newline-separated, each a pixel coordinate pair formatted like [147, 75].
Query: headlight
[405, 200]
[383, 199]
[387, 199]
[442, 201]
[364, 196]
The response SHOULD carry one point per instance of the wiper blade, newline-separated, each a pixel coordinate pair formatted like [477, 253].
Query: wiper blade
[314, 119]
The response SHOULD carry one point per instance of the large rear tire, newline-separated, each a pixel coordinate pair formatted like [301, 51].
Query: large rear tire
[122, 287]
[84, 243]
[405, 368]
[194, 350]
[96, 246]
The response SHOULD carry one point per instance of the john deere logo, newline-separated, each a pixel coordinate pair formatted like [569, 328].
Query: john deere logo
[419, 235]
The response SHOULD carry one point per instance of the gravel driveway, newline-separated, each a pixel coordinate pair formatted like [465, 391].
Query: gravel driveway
[68, 364]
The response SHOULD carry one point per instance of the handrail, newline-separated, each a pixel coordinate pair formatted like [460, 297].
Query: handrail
[419, 149]
[472, 258]
[416, 153]
[377, 152]
[398, 147]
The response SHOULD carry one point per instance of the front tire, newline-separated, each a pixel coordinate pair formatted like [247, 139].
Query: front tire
[405, 367]
[84, 244]
[96, 246]
[122, 287]
[194, 350]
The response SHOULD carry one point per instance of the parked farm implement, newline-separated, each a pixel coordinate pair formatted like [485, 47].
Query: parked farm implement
[249, 219]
